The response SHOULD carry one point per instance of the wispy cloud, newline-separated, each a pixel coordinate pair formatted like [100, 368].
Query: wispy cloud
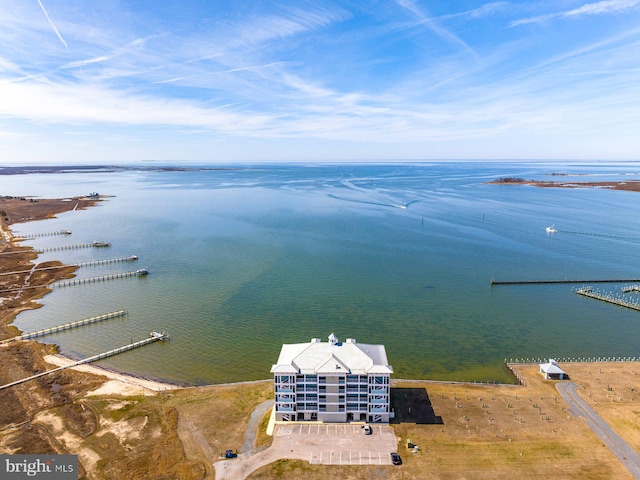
[89, 61]
[375, 79]
[52, 24]
[604, 7]
[432, 25]
[481, 11]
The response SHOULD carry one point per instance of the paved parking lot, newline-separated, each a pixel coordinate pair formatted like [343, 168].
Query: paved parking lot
[317, 443]
[336, 444]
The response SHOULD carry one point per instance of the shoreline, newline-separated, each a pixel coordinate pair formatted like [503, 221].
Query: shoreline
[117, 382]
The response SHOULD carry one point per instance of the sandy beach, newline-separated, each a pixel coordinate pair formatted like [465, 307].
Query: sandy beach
[116, 383]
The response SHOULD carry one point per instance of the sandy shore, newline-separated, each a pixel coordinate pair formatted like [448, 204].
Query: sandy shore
[118, 383]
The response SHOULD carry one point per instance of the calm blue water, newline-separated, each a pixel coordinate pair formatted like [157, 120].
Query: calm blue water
[243, 260]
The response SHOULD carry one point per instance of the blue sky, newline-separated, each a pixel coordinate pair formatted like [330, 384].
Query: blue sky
[225, 81]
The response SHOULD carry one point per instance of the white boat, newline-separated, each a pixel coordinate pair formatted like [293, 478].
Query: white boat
[551, 229]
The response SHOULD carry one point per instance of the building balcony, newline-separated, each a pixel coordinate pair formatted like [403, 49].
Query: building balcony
[279, 387]
[377, 410]
[375, 390]
[285, 398]
[284, 408]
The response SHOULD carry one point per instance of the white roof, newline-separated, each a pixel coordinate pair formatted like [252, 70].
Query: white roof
[551, 367]
[316, 357]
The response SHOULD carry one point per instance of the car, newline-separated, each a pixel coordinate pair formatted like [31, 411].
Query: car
[395, 459]
[230, 454]
[367, 429]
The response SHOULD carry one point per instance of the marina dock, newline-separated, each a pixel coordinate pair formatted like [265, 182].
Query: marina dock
[631, 288]
[609, 298]
[153, 337]
[66, 326]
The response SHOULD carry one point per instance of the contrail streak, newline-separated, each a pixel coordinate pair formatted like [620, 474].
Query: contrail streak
[52, 25]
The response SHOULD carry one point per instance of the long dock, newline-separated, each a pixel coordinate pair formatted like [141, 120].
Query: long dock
[140, 273]
[81, 281]
[96, 244]
[44, 234]
[609, 298]
[538, 282]
[153, 337]
[66, 326]
[130, 258]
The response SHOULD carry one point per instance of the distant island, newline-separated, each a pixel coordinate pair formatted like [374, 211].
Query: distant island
[28, 169]
[627, 185]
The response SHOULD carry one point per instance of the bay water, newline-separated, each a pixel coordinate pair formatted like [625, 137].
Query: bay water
[244, 258]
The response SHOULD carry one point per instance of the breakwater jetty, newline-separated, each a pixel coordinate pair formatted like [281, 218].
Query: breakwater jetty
[539, 282]
[153, 337]
[66, 326]
[612, 298]
[81, 281]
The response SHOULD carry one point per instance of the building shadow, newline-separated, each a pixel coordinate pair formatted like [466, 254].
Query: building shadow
[413, 405]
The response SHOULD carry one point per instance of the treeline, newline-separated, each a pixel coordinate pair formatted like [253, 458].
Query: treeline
[510, 180]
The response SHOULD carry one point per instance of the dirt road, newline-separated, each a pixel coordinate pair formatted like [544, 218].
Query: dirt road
[579, 408]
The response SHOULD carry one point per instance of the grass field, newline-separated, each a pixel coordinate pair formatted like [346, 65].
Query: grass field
[462, 430]
[486, 432]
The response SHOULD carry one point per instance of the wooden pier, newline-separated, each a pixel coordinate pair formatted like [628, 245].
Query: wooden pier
[609, 298]
[81, 281]
[66, 326]
[542, 282]
[153, 337]
[130, 258]
[44, 234]
[96, 244]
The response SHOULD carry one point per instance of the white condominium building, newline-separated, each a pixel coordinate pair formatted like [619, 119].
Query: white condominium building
[332, 382]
